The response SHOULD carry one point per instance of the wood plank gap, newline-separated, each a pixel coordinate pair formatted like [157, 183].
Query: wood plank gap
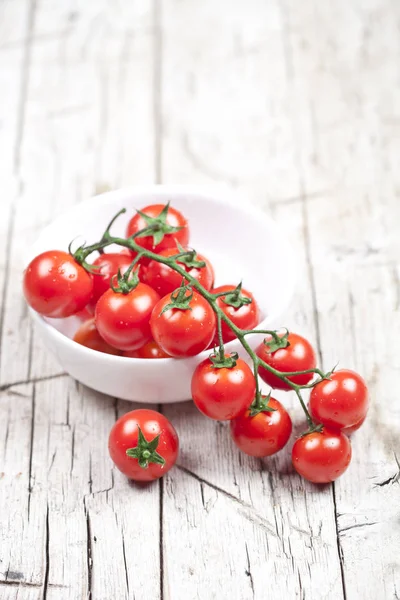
[339, 547]
[7, 386]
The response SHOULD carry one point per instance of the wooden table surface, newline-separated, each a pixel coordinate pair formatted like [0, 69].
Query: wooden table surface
[294, 105]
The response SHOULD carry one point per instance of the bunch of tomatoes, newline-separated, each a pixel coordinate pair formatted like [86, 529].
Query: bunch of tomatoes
[155, 299]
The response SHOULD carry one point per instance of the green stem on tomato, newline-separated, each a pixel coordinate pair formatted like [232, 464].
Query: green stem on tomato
[130, 243]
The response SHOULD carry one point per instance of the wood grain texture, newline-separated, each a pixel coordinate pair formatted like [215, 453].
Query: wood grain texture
[296, 107]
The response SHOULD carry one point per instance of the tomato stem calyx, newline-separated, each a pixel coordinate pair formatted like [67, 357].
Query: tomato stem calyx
[188, 257]
[227, 361]
[235, 298]
[261, 404]
[277, 342]
[145, 452]
[157, 227]
[180, 299]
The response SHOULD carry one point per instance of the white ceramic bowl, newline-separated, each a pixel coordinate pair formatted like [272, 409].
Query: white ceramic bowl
[242, 243]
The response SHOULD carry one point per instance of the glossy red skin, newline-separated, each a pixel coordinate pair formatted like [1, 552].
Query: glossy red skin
[165, 280]
[56, 286]
[223, 394]
[322, 457]
[174, 218]
[149, 350]
[123, 320]
[245, 317]
[87, 335]
[341, 401]
[183, 332]
[124, 435]
[298, 356]
[264, 434]
[109, 265]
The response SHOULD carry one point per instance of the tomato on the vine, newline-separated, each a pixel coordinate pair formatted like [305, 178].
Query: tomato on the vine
[263, 434]
[149, 350]
[143, 445]
[165, 280]
[108, 266]
[240, 306]
[122, 319]
[168, 226]
[340, 401]
[298, 355]
[322, 456]
[55, 285]
[185, 330]
[87, 335]
[222, 393]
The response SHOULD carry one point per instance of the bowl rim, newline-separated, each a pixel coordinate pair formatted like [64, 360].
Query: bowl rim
[211, 194]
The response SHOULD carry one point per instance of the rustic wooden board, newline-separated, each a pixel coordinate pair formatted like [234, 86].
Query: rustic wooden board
[295, 106]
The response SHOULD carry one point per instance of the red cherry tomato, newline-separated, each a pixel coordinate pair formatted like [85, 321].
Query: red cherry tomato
[245, 317]
[149, 350]
[223, 393]
[123, 319]
[55, 285]
[322, 456]
[151, 441]
[183, 332]
[87, 335]
[341, 401]
[299, 355]
[173, 218]
[165, 280]
[264, 434]
[109, 265]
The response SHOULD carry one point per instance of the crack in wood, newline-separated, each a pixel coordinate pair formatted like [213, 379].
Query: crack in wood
[394, 478]
[47, 555]
[89, 557]
[249, 513]
[358, 526]
[33, 412]
[248, 570]
[7, 386]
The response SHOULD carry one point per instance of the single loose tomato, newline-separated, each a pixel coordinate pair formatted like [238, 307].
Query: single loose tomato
[108, 264]
[143, 445]
[168, 227]
[222, 393]
[149, 350]
[340, 401]
[183, 331]
[298, 355]
[55, 285]
[165, 280]
[122, 319]
[263, 434]
[235, 304]
[322, 456]
[87, 335]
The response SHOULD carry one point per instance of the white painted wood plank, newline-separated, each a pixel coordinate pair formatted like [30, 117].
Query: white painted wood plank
[88, 126]
[289, 526]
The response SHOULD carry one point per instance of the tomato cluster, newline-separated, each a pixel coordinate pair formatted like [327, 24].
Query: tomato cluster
[156, 299]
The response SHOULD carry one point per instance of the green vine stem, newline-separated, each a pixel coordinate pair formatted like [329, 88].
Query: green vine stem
[107, 239]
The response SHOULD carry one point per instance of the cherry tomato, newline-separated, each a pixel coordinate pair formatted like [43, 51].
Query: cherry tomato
[165, 280]
[149, 350]
[109, 265]
[245, 317]
[341, 401]
[167, 218]
[123, 319]
[322, 456]
[55, 285]
[143, 445]
[299, 355]
[223, 393]
[87, 335]
[264, 434]
[183, 332]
